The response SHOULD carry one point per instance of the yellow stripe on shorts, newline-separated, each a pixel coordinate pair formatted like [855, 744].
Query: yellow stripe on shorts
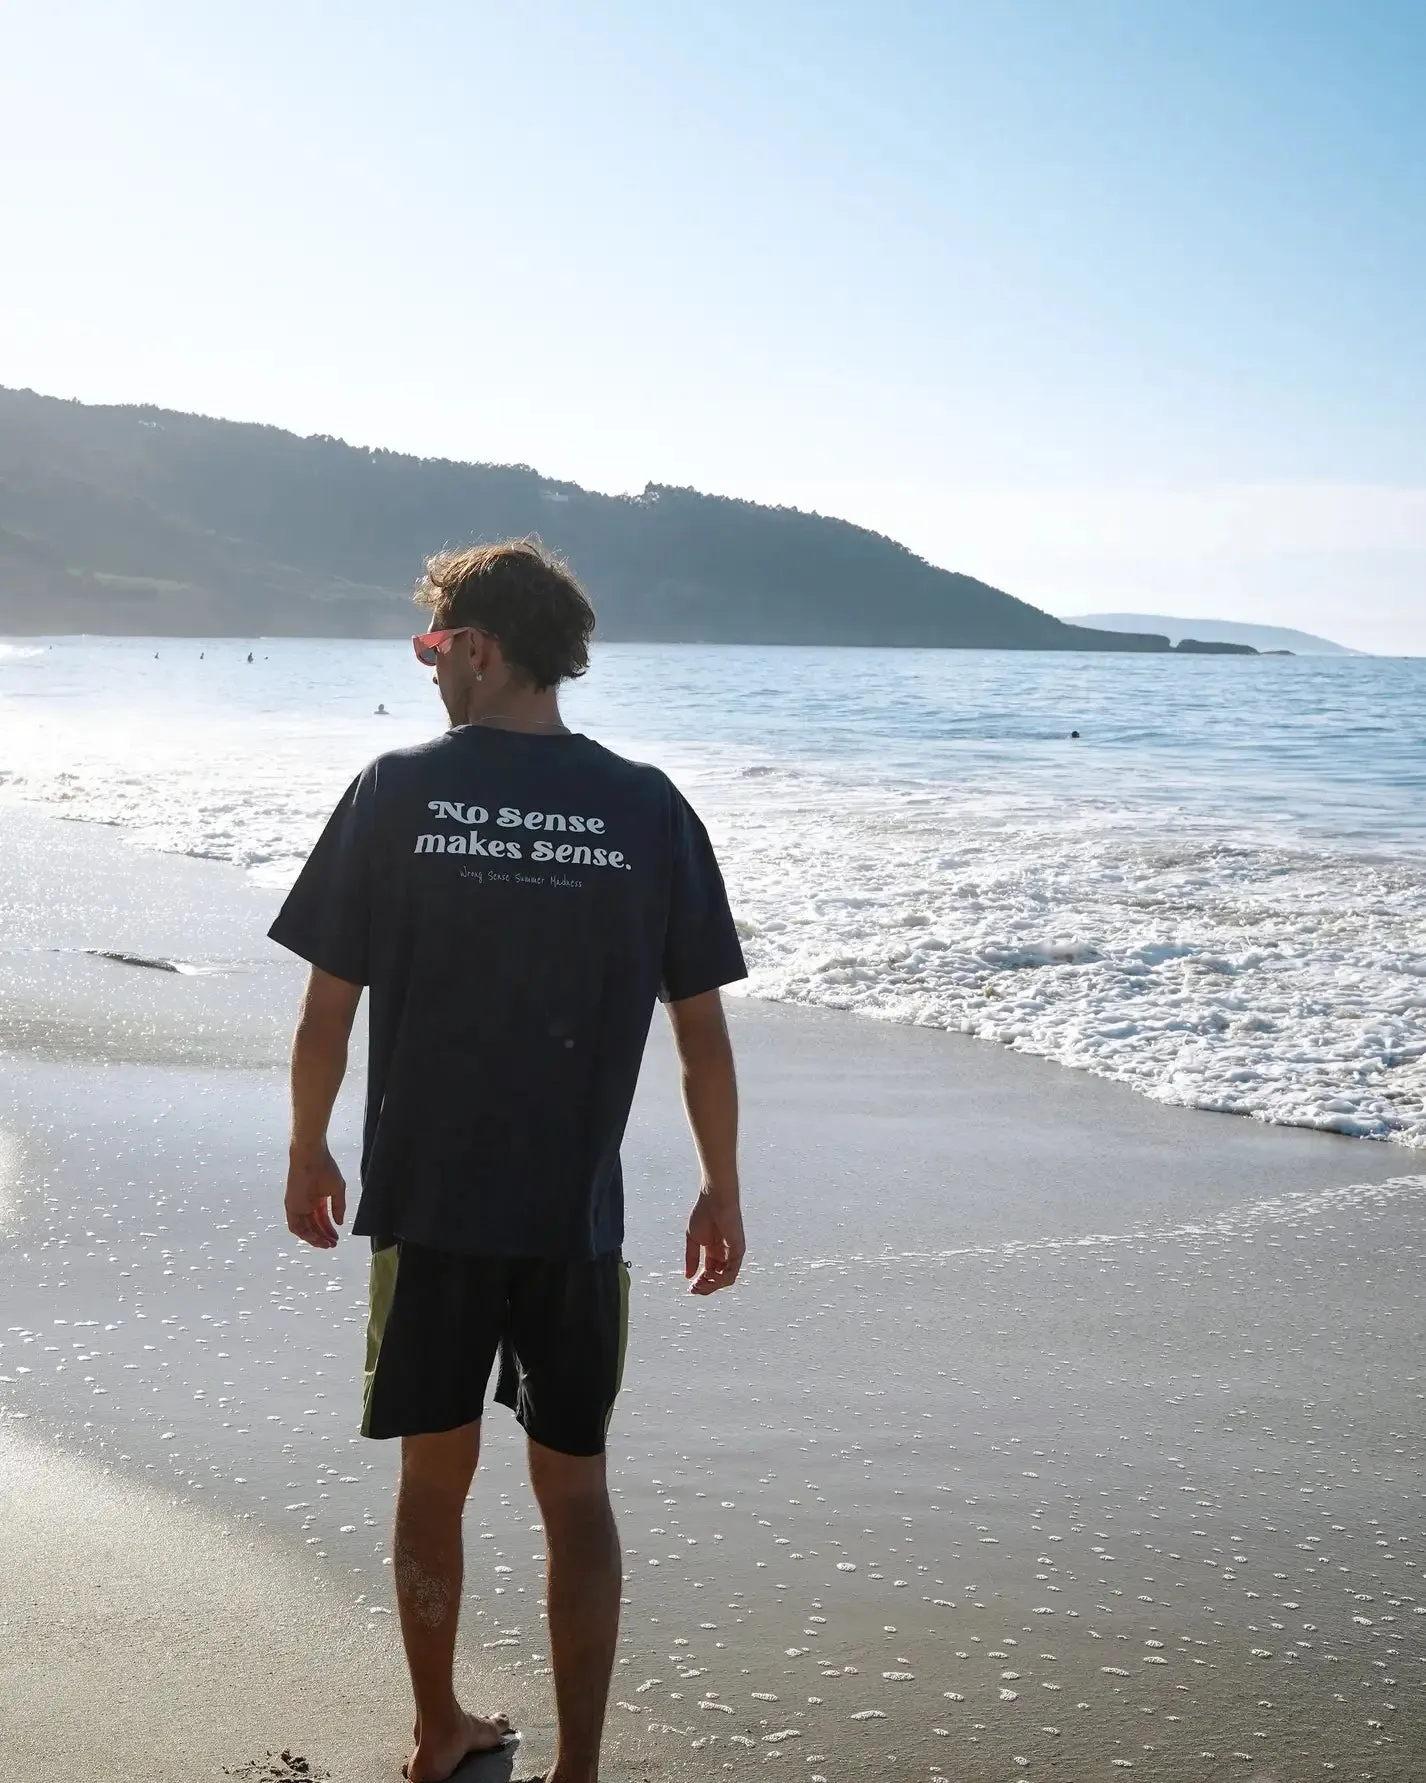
[380, 1295]
[624, 1283]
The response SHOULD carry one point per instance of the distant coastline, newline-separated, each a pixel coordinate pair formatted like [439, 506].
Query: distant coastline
[1156, 646]
[1265, 639]
[123, 521]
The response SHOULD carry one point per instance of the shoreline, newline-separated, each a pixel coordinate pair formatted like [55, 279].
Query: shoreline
[1028, 1375]
[1198, 647]
[267, 896]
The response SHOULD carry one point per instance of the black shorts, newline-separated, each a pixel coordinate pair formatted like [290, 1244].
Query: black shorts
[438, 1321]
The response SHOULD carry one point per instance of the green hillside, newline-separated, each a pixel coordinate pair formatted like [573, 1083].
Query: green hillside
[139, 520]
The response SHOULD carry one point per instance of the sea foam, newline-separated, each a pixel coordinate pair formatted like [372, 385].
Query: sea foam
[1220, 904]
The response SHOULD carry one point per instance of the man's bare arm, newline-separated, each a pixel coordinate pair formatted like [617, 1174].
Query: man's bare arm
[715, 1244]
[316, 1193]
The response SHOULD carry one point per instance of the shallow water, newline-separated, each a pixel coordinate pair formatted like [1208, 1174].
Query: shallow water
[1217, 894]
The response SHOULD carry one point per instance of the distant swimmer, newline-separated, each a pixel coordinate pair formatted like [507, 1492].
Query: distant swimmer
[1074, 736]
[381, 712]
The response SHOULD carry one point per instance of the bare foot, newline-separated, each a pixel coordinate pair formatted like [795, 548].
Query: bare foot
[438, 1756]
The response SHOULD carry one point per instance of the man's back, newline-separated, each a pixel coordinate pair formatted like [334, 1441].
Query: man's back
[516, 903]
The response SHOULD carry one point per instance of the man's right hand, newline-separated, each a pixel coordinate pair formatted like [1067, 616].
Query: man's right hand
[715, 1245]
[316, 1201]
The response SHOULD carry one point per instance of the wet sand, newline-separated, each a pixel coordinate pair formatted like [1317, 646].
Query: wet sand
[1052, 1432]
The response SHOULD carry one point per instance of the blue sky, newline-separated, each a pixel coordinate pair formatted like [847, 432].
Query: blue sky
[1115, 303]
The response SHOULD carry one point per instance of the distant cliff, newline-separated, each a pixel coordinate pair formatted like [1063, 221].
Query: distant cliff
[1258, 638]
[1218, 647]
[139, 520]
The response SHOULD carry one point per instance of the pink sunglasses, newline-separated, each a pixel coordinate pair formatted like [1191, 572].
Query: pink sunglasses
[431, 644]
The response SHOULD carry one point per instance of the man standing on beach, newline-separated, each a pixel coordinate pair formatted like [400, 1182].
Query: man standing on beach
[515, 898]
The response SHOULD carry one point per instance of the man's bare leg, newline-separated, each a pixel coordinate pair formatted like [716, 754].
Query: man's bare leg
[429, 1564]
[583, 1585]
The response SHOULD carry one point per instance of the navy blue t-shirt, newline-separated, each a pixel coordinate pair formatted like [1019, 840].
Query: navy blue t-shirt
[516, 903]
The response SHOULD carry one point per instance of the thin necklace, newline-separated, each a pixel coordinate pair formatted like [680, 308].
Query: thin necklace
[548, 724]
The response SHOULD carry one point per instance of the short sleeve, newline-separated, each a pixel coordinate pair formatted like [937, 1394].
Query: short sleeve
[326, 918]
[701, 947]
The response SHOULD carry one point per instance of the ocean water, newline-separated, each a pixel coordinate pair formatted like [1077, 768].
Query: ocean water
[1216, 895]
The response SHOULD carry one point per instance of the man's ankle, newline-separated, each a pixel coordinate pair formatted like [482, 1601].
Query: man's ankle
[439, 1720]
[564, 1772]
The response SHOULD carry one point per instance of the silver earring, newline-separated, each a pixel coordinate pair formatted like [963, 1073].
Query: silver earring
[480, 674]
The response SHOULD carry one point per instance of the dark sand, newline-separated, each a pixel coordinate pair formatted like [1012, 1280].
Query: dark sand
[1052, 1433]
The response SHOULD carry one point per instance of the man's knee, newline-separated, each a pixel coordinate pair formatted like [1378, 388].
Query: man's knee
[568, 1483]
[440, 1465]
